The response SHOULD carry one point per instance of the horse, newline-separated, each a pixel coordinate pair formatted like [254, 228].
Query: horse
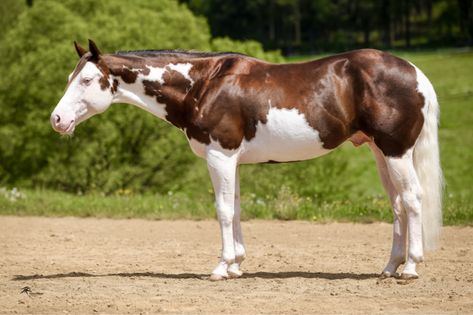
[235, 109]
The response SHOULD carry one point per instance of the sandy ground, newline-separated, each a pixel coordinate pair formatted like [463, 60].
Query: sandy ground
[136, 266]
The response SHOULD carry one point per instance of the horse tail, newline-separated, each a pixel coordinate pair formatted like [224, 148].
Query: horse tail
[427, 165]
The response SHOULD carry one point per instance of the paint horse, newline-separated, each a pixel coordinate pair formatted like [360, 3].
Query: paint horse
[235, 109]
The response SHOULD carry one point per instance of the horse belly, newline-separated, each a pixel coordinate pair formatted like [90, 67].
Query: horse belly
[285, 137]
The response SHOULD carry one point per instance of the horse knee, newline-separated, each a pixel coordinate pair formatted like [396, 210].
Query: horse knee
[417, 257]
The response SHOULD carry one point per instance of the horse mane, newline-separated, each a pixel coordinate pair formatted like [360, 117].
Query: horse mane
[175, 52]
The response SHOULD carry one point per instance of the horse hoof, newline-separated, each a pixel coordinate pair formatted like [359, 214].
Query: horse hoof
[234, 272]
[385, 275]
[408, 276]
[216, 277]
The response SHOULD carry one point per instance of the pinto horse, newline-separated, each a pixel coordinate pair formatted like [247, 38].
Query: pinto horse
[235, 109]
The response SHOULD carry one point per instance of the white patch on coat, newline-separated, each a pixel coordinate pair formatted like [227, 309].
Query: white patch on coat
[135, 93]
[184, 69]
[286, 136]
[155, 74]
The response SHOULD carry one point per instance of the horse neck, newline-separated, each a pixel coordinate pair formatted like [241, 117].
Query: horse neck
[157, 85]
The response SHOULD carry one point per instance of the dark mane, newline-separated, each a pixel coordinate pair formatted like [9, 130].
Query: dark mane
[177, 52]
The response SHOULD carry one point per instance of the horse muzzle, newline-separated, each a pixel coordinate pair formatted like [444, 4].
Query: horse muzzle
[62, 123]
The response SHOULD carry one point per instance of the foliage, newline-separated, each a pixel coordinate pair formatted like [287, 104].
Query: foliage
[124, 148]
[127, 163]
[9, 12]
[308, 26]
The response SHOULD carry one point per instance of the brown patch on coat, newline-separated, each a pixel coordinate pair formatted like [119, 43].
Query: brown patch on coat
[105, 79]
[114, 87]
[364, 91]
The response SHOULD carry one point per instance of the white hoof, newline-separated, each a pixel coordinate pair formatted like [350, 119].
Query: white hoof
[220, 272]
[234, 271]
[217, 277]
[408, 276]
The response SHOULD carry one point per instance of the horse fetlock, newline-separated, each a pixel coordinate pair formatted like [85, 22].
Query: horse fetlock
[417, 258]
[397, 259]
[228, 257]
[239, 258]
[234, 270]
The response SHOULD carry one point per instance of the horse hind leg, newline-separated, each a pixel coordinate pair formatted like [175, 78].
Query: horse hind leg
[405, 180]
[398, 250]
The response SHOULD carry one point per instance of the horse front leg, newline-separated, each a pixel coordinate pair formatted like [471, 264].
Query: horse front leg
[222, 166]
[234, 269]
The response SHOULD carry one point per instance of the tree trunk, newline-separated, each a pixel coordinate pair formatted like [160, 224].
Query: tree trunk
[272, 26]
[466, 19]
[407, 23]
[297, 24]
[386, 23]
[366, 36]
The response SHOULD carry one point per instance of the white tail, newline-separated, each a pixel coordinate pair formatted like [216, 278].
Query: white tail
[427, 165]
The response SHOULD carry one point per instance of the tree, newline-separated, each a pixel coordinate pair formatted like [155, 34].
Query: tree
[122, 148]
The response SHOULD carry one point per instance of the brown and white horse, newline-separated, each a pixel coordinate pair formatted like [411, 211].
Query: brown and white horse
[235, 109]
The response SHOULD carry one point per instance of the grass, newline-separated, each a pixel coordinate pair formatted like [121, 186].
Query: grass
[343, 186]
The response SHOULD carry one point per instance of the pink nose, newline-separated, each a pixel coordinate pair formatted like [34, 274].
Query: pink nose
[55, 120]
[61, 125]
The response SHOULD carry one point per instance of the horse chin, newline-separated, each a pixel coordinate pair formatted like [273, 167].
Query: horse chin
[69, 131]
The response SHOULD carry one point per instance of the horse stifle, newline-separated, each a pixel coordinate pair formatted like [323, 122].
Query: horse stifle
[235, 109]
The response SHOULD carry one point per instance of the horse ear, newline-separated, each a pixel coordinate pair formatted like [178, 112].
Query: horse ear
[80, 51]
[94, 50]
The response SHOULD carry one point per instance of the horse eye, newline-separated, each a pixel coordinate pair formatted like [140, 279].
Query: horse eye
[86, 81]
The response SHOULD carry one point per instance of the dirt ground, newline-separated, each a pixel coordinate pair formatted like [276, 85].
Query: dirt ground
[135, 266]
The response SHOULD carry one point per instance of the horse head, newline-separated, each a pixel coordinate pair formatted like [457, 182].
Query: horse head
[88, 91]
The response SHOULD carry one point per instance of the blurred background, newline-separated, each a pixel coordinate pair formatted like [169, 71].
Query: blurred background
[127, 163]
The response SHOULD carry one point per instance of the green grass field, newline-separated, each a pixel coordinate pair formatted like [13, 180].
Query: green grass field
[346, 183]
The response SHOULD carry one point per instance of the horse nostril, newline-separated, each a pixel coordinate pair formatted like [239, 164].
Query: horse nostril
[57, 119]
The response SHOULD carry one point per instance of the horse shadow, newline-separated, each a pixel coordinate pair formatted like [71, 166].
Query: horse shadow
[249, 275]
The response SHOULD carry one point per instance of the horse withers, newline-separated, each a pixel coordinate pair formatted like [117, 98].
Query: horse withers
[235, 109]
